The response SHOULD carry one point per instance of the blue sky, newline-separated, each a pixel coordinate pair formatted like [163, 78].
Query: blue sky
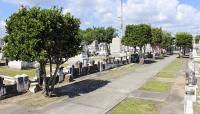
[194, 3]
[173, 15]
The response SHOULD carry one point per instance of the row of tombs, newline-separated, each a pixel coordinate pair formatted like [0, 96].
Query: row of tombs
[93, 58]
[10, 86]
[191, 86]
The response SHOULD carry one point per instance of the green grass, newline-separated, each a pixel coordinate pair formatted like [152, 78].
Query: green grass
[166, 75]
[175, 65]
[134, 106]
[198, 62]
[156, 86]
[14, 72]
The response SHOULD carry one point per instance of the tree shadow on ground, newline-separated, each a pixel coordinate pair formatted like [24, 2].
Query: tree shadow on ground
[186, 57]
[159, 57]
[82, 87]
[183, 57]
[149, 61]
[166, 56]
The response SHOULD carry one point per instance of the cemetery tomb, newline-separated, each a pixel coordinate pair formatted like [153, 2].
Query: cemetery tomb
[115, 47]
[34, 87]
[188, 105]
[22, 83]
[21, 64]
[93, 48]
[2, 87]
[103, 49]
[2, 90]
[61, 75]
[26, 81]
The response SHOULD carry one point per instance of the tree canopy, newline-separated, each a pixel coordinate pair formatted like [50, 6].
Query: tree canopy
[129, 38]
[167, 39]
[156, 36]
[197, 38]
[42, 35]
[137, 35]
[100, 34]
[184, 40]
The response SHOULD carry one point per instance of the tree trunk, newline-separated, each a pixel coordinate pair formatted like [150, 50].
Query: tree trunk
[50, 62]
[141, 56]
[184, 51]
[160, 51]
[48, 83]
[52, 84]
[180, 53]
[144, 49]
[134, 49]
[154, 52]
[43, 75]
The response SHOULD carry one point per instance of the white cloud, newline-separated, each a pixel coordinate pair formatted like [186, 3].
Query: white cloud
[171, 15]
[2, 28]
[2, 24]
[24, 2]
[33, 2]
[97, 12]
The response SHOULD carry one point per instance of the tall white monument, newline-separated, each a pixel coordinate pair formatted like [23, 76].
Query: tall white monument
[116, 46]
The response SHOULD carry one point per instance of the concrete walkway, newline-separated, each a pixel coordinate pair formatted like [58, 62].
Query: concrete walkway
[100, 100]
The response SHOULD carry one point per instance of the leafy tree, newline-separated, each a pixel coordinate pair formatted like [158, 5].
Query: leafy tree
[110, 34]
[42, 35]
[197, 38]
[156, 37]
[184, 40]
[167, 41]
[137, 35]
[129, 38]
[100, 34]
[143, 34]
[88, 35]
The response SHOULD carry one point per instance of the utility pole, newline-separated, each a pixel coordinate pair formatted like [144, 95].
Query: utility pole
[194, 38]
[122, 21]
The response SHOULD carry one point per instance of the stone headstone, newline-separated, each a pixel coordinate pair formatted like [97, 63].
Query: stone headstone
[93, 48]
[34, 87]
[20, 64]
[103, 49]
[148, 48]
[22, 83]
[1, 56]
[2, 88]
[188, 105]
[83, 57]
[61, 75]
[1, 80]
[84, 54]
[115, 46]
[26, 81]
[194, 52]
[2, 91]
[192, 66]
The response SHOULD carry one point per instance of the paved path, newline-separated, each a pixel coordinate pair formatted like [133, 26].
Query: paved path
[174, 104]
[102, 99]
